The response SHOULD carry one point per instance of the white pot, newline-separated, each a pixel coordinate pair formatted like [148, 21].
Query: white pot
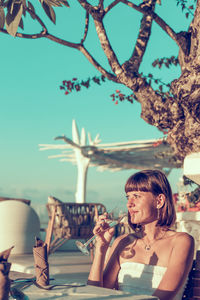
[19, 225]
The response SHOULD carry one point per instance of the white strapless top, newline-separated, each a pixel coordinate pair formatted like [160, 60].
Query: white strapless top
[141, 279]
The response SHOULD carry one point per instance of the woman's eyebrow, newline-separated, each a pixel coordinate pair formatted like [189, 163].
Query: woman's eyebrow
[133, 193]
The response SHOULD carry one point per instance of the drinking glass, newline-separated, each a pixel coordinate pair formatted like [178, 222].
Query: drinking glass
[111, 222]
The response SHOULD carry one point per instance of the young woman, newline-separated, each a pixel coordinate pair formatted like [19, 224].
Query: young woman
[154, 259]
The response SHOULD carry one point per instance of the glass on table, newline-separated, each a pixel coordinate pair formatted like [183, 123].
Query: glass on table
[83, 247]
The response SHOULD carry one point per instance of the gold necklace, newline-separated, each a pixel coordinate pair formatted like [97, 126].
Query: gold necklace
[148, 246]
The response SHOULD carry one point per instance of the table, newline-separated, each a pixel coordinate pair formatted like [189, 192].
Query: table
[77, 292]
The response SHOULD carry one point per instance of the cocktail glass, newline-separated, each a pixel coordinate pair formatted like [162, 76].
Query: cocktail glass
[83, 247]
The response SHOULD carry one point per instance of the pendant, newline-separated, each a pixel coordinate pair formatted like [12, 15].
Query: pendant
[147, 247]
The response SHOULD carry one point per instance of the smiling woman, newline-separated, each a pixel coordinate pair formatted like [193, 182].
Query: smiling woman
[154, 186]
[150, 260]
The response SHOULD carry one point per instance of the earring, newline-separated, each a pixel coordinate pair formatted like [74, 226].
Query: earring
[158, 213]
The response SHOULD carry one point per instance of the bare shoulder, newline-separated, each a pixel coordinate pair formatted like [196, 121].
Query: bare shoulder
[182, 239]
[182, 249]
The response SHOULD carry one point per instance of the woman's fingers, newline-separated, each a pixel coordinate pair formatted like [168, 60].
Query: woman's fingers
[102, 228]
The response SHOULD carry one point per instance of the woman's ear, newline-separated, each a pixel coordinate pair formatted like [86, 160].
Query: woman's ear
[160, 200]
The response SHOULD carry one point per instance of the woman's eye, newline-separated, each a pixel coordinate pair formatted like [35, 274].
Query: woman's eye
[133, 197]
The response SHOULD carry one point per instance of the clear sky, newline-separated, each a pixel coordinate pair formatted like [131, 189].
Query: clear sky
[34, 110]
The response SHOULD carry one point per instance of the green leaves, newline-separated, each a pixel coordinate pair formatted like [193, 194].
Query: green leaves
[47, 6]
[31, 10]
[16, 8]
[13, 17]
[49, 11]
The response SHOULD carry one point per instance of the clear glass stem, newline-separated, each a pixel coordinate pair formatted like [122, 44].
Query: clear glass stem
[83, 247]
[111, 224]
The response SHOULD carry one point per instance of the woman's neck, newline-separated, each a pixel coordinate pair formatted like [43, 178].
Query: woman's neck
[151, 231]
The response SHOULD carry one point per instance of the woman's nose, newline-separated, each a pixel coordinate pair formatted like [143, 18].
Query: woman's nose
[130, 204]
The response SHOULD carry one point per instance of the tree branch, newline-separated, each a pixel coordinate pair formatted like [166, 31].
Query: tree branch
[172, 34]
[86, 27]
[133, 64]
[87, 6]
[101, 4]
[113, 4]
[91, 59]
[32, 13]
[45, 35]
[26, 36]
[107, 48]
[61, 41]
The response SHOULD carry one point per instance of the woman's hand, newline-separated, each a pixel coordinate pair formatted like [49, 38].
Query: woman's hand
[102, 230]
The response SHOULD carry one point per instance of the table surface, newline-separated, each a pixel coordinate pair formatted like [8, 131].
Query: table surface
[76, 292]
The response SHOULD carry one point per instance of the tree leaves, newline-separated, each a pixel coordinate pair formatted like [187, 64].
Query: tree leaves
[13, 17]
[64, 2]
[69, 85]
[31, 10]
[2, 17]
[47, 6]
[49, 11]
[15, 8]
[167, 62]
[184, 7]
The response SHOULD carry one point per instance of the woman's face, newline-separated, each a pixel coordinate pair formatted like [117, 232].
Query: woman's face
[142, 207]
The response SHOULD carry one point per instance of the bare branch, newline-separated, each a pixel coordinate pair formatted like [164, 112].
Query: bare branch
[83, 50]
[26, 36]
[61, 41]
[107, 48]
[101, 4]
[86, 27]
[158, 20]
[113, 4]
[87, 6]
[37, 18]
[44, 34]
[133, 64]
[91, 59]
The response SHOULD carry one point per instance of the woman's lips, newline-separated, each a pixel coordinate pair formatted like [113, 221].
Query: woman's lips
[132, 213]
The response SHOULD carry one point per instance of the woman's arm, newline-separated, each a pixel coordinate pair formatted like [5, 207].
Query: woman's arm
[96, 271]
[105, 265]
[179, 266]
[112, 265]
[104, 236]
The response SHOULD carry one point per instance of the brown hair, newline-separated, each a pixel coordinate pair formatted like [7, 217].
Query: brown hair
[156, 182]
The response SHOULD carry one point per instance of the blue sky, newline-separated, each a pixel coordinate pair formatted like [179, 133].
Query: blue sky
[34, 110]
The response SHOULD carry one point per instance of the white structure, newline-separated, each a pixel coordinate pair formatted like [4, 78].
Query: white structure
[191, 167]
[155, 154]
[189, 221]
[19, 225]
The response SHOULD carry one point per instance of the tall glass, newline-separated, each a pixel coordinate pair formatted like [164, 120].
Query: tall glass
[111, 222]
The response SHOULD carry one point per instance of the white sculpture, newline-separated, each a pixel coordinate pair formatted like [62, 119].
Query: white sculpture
[155, 154]
[82, 161]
